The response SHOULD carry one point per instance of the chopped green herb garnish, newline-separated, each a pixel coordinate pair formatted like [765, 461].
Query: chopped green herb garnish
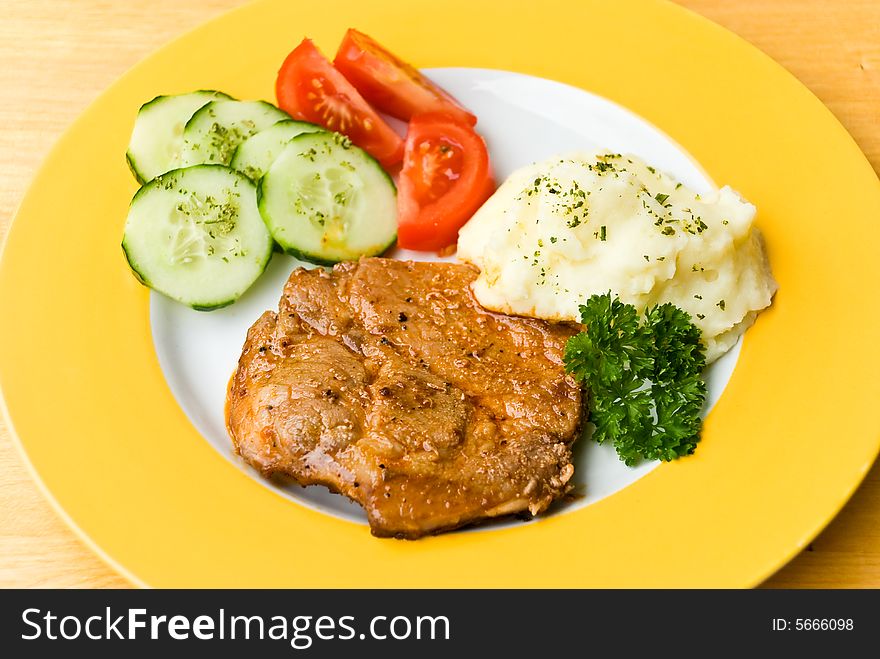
[645, 378]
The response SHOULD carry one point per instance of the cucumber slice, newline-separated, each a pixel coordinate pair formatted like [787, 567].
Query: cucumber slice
[196, 236]
[215, 130]
[254, 156]
[157, 136]
[325, 200]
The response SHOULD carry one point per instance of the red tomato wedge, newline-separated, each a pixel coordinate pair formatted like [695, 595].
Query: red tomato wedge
[445, 178]
[309, 88]
[390, 84]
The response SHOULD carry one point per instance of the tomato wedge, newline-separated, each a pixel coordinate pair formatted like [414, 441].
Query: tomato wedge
[390, 84]
[445, 178]
[309, 88]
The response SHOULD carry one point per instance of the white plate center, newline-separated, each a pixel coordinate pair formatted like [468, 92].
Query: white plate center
[523, 119]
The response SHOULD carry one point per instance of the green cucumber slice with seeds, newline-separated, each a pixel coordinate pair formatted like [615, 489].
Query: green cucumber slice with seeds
[214, 132]
[196, 236]
[157, 136]
[325, 200]
[254, 156]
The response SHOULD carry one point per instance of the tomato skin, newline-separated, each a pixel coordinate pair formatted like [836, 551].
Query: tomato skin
[446, 177]
[391, 85]
[309, 88]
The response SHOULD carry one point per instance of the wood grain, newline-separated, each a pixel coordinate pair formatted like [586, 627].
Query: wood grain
[56, 56]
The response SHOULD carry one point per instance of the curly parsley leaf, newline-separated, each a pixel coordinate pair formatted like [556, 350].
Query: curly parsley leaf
[645, 378]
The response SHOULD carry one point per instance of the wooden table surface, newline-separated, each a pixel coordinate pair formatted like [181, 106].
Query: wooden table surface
[57, 55]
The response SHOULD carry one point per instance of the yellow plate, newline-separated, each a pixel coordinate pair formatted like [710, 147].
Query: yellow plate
[794, 433]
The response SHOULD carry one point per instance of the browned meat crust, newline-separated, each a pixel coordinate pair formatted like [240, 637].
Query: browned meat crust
[387, 382]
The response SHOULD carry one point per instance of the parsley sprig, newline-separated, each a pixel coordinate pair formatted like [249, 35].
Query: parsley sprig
[644, 377]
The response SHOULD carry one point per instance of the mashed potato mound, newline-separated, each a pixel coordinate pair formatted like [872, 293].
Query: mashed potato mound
[561, 230]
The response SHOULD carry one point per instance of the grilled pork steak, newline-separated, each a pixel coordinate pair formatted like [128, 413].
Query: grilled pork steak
[387, 382]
